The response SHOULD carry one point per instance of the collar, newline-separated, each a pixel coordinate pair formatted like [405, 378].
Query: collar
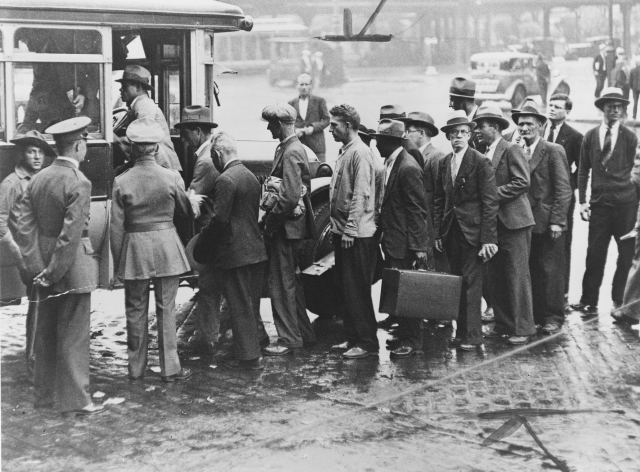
[147, 158]
[22, 173]
[534, 145]
[137, 98]
[423, 147]
[614, 127]
[494, 144]
[228, 164]
[202, 148]
[73, 161]
[287, 139]
[305, 99]
[344, 147]
[473, 111]
[464, 149]
[394, 155]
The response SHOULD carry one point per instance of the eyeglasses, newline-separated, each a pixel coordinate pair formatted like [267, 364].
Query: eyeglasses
[459, 132]
[409, 131]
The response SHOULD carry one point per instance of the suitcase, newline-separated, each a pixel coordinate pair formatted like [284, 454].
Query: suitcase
[420, 294]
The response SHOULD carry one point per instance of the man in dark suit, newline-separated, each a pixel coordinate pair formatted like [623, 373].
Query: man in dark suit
[233, 245]
[407, 234]
[559, 132]
[549, 195]
[52, 232]
[312, 117]
[509, 269]
[466, 208]
[608, 150]
[600, 69]
[286, 225]
[462, 94]
[395, 112]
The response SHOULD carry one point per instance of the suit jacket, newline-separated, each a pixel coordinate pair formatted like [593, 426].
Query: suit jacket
[52, 228]
[292, 166]
[405, 218]
[232, 238]
[204, 179]
[472, 199]
[143, 106]
[152, 195]
[318, 117]
[414, 151]
[571, 140]
[513, 180]
[550, 190]
[599, 65]
[432, 157]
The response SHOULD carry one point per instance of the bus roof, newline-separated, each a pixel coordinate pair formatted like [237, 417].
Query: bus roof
[208, 14]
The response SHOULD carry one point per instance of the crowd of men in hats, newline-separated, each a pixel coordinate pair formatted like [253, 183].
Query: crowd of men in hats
[496, 210]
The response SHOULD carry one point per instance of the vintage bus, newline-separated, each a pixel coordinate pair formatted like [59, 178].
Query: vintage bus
[53, 51]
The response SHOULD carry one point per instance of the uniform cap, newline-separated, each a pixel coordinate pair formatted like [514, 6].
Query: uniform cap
[70, 130]
[145, 131]
[282, 112]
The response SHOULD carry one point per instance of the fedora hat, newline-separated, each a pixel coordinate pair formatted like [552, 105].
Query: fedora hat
[137, 74]
[195, 265]
[390, 129]
[196, 115]
[528, 109]
[610, 94]
[34, 138]
[365, 132]
[145, 131]
[421, 118]
[392, 112]
[455, 118]
[461, 87]
[490, 111]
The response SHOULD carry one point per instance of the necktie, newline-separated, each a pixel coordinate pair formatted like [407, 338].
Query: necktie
[606, 147]
[527, 152]
[552, 133]
[454, 167]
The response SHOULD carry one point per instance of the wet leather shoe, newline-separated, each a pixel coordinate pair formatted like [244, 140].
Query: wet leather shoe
[624, 319]
[184, 374]
[358, 353]
[468, 347]
[586, 309]
[341, 347]
[551, 328]
[492, 333]
[393, 342]
[387, 323]
[90, 409]
[519, 340]
[277, 350]
[405, 351]
[253, 364]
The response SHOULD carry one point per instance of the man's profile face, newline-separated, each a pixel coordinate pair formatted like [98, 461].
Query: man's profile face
[529, 128]
[456, 103]
[414, 134]
[459, 136]
[275, 128]
[128, 91]
[557, 110]
[486, 130]
[33, 158]
[191, 136]
[304, 86]
[386, 146]
[612, 111]
[338, 129]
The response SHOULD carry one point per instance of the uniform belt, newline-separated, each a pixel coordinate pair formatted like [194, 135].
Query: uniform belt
[146, 227]
[85, 234]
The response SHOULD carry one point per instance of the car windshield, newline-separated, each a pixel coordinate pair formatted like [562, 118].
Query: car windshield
[492, 65]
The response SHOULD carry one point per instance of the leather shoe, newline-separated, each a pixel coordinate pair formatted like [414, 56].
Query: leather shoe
[586, 309]
[551, 328]
[519, 340]
[387, 323]
[90, 409]
[277, 350]
[358, 353]
[455, 341]
[405, 351]
[184, 374]
[624, 319]
[488, 316]
[134, 379]
[468, 347]
[393, 342]
[492, 333]
[237, 364]
[264, 342]
[341, 347]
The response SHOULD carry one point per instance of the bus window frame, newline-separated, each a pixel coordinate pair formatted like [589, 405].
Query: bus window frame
[199, 63]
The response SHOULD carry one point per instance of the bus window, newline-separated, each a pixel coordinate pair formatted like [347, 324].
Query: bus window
[208, 46]
[174, 99]
[3, 136]
[47, 92]
[57, 41]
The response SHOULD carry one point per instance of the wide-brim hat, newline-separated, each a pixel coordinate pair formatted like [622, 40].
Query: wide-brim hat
[493, 113]
[610, 94]
[463, 88]
[137, 74]
[196, 115]
[365, 132]
[393, 129]
[424, 119]
[456, 118]
[195, 265]
[392, 112]
[34, 138]
[529, 109]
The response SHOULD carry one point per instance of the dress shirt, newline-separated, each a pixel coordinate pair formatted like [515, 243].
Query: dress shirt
[455, 162]
[492, 148]
[388, 165]
[547, 131]
[531, 148]
[614, 134]
[73, 161]
[303, 105]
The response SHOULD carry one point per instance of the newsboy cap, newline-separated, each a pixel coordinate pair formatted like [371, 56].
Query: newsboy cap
[282, 112]
[145, 131]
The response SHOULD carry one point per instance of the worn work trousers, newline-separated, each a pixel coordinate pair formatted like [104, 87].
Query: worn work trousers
[568, 239]
[136, 294]
[631, 302]
[241, 287]
[464, 261]
[354, 273]
[546, 264]
[207, 310]
[62, 351]
[510, 277]
[409, 329]
[287, 293]
[606, 222]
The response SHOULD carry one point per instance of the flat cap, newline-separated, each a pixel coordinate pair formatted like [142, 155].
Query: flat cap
[282, 112]
[145, 131]
[70, 130]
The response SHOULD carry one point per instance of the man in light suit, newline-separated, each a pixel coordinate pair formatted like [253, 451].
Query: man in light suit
[285, 229]
[52, 232]
[549, 196]
[146, 248]
[233, 245]
[466, 208]
[509, 269]
[136, 81]
[312, 117]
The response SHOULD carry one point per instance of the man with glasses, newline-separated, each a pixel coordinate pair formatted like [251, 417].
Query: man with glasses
[608, 150]
[559, 132]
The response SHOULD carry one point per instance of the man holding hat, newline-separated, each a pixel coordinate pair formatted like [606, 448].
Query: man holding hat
[509, 269]
[608, 150]
[285, 232]
[549, 196]
[146, 248]
[196, 130]
[462, 94]
[407, 233]
[466, 207]
[52, 232]
[136, 81]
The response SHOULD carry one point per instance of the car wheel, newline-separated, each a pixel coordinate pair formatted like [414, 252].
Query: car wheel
[518, 96]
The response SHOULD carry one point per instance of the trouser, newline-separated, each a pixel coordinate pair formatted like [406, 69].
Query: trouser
[509, 274]
[487, 289]
[631, 302]
[62, 351]
[441, 261]
[287, 293]
[600, 84]
[30, 348]
[207, 310]
[409, 329]
[568, 239]
[465, 261]
[546, 264]
[354, 274]
[636, 97]
[606, 222]
[241, 287]
[136, 294]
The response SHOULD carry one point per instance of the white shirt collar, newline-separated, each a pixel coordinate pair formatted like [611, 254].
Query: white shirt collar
[391, 160]
[202, 148]
[614, 127]
[492, 148]
[547, 130]
[461, 153]
[73, 161]
[424, 146]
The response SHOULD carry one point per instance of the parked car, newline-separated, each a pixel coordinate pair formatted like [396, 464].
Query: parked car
[511, 76]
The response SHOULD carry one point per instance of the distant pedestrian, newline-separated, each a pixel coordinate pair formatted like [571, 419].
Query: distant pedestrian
[312, 117]
[543, 74]
[600, 69]
[621, 74]
[634, 84]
